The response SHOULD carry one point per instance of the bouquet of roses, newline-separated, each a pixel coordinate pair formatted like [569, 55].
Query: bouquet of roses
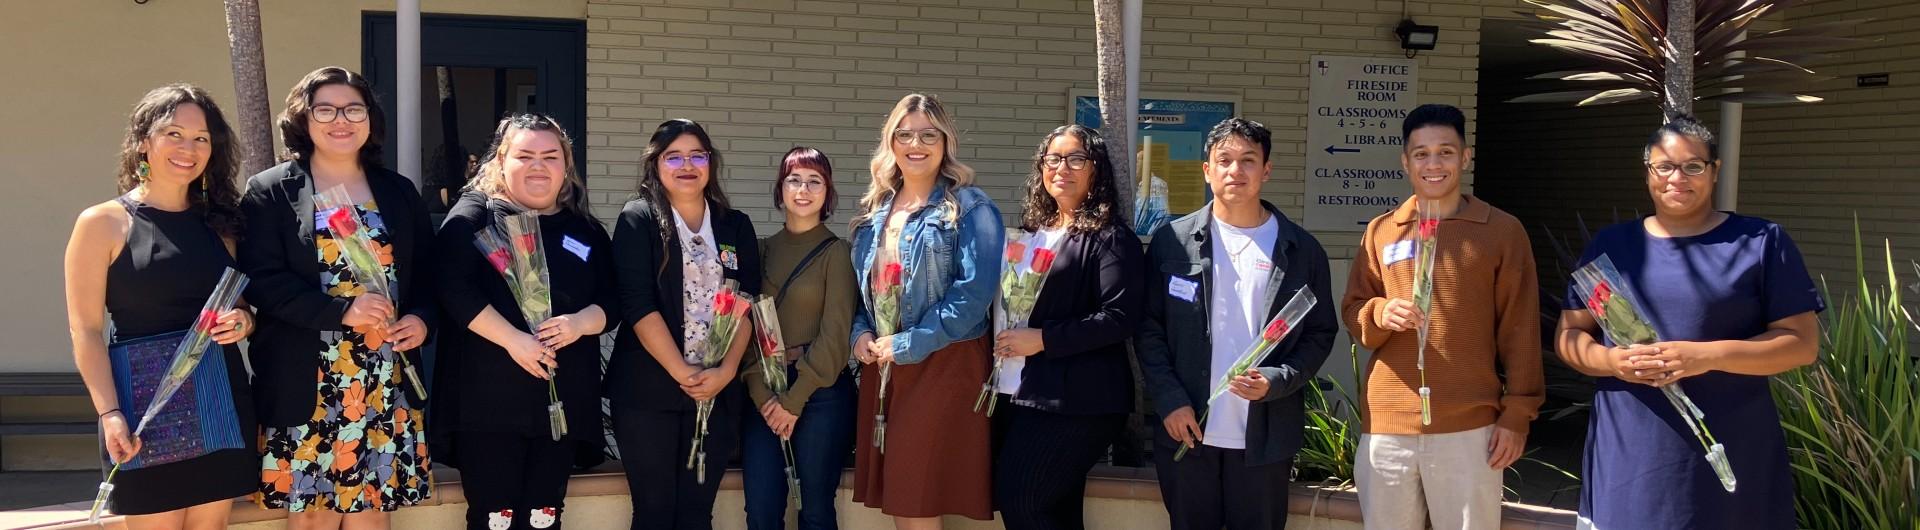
[513, 247]
[1428, 247]
[363, 258]
[1020, 283]
[773, 367]
[1276, 331]
[884, 298]
[728, 306]
[186, 357]
[1621, 319]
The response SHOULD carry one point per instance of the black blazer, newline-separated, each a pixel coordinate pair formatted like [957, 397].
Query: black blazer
[277, 254]
[648, 275]
[481, 388]
[1175, 344]
[1086, 312]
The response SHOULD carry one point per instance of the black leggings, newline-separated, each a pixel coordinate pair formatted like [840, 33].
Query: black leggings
[504, 471]
[1041, 463]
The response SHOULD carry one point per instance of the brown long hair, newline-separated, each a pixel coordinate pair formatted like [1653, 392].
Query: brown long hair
[655, 191]
[293, 120]
[218, 192]
[1101, 205]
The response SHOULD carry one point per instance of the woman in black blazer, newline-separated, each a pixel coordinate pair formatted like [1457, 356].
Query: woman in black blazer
[673, 247]
[493, 362]
[342, 429]
[1066, 376]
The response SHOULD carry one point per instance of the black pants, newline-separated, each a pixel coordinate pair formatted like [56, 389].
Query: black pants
[1041, 461]
[653, 448]
[505, 471]
[1212, 488]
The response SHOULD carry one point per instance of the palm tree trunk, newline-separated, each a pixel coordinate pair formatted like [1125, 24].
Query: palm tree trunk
[1108, 26]
[250, 85]
[1679, 74]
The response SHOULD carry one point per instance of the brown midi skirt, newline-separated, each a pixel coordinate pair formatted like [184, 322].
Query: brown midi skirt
[938, 458]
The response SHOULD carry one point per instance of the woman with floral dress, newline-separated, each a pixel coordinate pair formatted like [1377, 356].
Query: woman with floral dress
[342, 438]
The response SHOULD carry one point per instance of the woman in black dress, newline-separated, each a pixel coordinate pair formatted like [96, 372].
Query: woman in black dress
[493, 363]
[1065, 370]
[673, 249]
[151, 257]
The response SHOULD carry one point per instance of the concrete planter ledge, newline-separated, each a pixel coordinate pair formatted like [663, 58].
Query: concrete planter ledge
[1116, 498]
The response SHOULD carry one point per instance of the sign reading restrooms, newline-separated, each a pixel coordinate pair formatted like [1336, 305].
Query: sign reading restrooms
[1354, 109]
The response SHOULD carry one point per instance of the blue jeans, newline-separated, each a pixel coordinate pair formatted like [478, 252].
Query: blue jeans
[822, 442]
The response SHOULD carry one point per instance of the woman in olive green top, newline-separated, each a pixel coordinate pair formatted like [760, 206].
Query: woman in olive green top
[809, 271]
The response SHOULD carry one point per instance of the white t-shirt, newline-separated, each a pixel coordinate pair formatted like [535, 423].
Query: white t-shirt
[1242, 262]
[1010, 369]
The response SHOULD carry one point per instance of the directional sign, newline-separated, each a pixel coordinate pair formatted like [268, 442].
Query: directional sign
[1354, 109]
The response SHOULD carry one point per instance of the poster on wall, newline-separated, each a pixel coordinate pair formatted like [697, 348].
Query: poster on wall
[1354, 109]
[1171, 136]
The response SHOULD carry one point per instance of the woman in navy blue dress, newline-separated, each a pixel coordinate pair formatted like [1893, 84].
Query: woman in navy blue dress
[1732, 299]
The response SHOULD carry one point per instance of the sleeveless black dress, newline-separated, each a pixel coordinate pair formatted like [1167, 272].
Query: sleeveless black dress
[157, 285]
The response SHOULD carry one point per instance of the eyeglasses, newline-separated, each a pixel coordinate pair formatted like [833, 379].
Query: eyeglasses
[799, 184]
[1692, 168]
[1074, 161]
[355, 113]
[677, 161]
[925, 136]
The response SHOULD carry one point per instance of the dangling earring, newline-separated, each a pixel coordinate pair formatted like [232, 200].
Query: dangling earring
[204, 183]
[140, 171]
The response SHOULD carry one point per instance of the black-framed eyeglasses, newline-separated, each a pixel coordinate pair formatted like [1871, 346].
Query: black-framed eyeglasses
[354, 113]
[924, 136]
[1692, 168]
[802, 184]
[1074, 161]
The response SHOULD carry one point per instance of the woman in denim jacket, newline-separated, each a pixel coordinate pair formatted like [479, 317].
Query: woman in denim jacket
[925, 228]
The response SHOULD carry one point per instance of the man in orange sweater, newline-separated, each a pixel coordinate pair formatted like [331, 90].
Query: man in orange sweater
[1484, 322]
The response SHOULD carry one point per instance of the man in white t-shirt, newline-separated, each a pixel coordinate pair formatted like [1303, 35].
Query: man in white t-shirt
[1216, 278]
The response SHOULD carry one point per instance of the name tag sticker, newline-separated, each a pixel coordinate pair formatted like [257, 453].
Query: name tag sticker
[576, 247]
[1396, 252]
[1182, 288]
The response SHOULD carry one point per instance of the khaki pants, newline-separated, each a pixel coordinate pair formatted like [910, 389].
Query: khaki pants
[1405, 478]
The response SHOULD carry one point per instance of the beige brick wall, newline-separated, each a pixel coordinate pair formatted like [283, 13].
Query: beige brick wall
[769, 74]
[1813, 167]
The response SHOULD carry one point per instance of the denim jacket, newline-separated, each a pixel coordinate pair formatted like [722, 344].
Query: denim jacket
[950, 270]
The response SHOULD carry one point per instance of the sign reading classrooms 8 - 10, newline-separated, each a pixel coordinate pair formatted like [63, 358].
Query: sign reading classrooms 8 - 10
[1354, 109]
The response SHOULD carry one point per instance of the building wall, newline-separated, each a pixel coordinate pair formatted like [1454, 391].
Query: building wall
[78, 67]
[766, 75]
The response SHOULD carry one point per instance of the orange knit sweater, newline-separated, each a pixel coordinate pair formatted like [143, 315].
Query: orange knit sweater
[1485, 323]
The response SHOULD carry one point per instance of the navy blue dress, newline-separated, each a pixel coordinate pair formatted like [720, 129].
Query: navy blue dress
[1643, 468]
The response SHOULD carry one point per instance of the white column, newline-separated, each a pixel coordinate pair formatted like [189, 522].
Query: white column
[1726, 191]
[1130, 39]
[407, 69]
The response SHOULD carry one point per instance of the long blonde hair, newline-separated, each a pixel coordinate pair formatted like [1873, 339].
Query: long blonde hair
[489, 180]
[886, 170]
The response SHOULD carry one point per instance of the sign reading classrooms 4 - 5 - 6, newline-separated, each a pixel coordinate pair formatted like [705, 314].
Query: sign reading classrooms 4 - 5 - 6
[1354, 109]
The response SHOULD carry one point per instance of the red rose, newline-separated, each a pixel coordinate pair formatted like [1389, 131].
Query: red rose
[1275, 330]
[1428, 228]
[890, 275]
[723, 302]
[1015, 253]
[1042, 261]
[500, 259]
[208, 319]
[528, 243]
[342, 223]
[1601, 293]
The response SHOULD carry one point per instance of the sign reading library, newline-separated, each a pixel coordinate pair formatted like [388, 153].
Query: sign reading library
[1354, 109]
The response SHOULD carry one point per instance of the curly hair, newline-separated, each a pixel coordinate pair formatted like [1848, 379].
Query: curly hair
[1098, 210]
[219, 194]
[293, 120]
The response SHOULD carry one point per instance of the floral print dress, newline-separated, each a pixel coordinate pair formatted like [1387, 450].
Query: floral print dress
[364, 448]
